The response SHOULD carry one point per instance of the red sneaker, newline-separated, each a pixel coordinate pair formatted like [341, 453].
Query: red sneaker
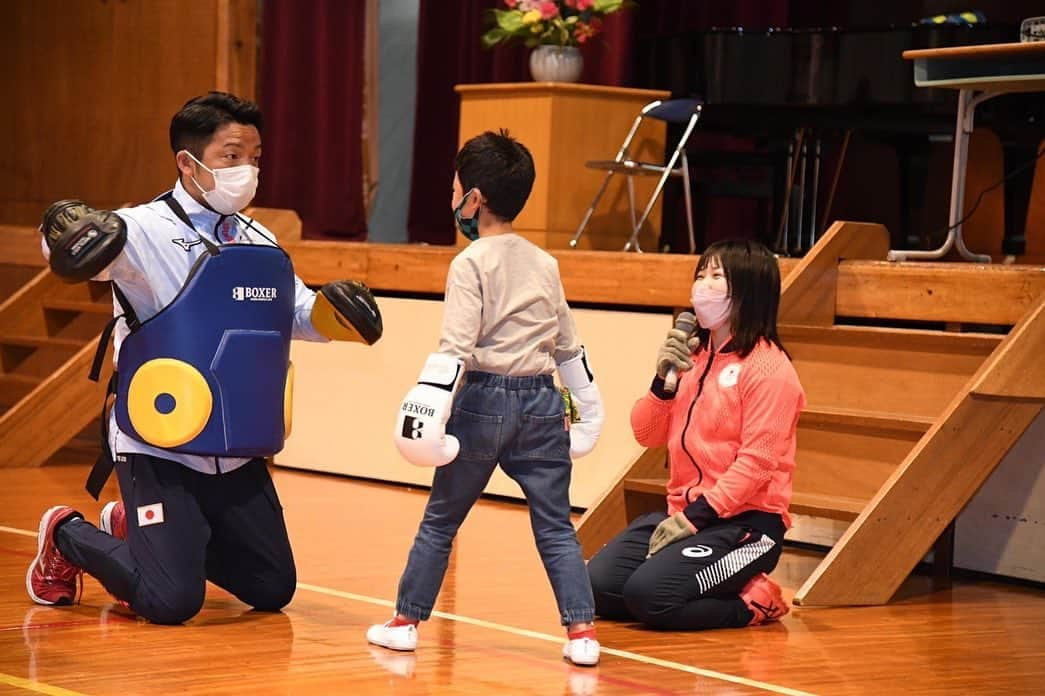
[113, 519]
[51, 579]
[765, 600]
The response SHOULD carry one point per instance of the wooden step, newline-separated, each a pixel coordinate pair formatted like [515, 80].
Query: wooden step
[13, 277]
[31, 341]
[85, 444]
[646, 485]
[885, 370]
[835, 507]
[852, 452]
[83, 306]
[843, 457]
[38, 362]
[828, 417]
[890, 338]
[14, 387]
[89, 438]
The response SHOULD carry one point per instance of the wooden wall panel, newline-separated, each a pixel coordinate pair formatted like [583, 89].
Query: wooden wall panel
[346, 396]
[90, 87]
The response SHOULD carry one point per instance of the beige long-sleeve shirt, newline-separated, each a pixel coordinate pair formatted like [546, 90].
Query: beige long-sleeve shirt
[505, 310]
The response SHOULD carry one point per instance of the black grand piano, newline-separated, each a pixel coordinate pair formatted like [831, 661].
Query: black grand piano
[785, 109]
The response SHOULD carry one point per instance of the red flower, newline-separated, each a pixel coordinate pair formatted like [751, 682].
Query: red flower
[582, 32]
[583, 5]
[549, 10]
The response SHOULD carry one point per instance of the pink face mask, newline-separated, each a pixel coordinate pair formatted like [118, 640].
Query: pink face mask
[711, 307]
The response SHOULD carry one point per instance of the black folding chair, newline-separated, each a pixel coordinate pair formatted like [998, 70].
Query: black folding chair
[677, 111]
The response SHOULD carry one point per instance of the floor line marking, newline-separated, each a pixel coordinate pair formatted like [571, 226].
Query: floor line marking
[38, 687]
[481, 623]
[667, 664]
[20, 532]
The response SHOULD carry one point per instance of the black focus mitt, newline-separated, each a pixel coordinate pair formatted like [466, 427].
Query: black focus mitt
[346, 311]
[83, 241]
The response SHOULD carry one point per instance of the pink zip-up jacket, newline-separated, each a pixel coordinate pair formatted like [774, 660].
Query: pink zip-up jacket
[729, 430]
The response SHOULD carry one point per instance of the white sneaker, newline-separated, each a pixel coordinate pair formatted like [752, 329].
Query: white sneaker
[393, 637]
[582, 651]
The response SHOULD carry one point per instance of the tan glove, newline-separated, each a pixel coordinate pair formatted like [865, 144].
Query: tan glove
[669, 531]
[674, 352]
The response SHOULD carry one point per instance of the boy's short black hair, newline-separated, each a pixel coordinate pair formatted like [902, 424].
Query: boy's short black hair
[196, 122]
[499, 166]
[753, 276]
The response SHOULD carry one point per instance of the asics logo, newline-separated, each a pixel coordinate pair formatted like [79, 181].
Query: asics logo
[698, 551]
[770, 612]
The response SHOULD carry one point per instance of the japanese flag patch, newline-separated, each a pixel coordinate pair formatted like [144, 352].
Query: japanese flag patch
[150, 514]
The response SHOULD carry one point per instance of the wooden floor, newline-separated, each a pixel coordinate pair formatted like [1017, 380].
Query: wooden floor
[497, 631]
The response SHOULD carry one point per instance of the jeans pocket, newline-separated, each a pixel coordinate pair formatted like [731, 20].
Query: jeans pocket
[543, 437]
[478, 433]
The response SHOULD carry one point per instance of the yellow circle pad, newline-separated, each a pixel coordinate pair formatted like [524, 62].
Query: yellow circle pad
[288, 402]
[169, 402]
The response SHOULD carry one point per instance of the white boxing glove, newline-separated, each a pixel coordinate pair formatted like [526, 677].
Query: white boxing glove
[420, 433]
[575, 375]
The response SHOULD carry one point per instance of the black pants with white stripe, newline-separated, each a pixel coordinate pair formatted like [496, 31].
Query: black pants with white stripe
[689, 585]
[226, 528]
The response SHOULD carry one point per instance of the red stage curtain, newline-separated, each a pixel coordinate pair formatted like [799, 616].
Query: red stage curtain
[312, 100]
[449, 52]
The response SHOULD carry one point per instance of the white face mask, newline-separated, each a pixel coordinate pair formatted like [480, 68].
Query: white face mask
[234, 187]
[711, 307]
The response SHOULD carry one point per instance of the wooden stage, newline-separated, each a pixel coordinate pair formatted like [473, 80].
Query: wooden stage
[497, 629]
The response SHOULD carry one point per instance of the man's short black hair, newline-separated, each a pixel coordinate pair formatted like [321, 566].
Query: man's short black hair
[501, 168]
[195, 123]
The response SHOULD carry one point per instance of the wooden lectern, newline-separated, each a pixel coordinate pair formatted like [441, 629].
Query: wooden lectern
[564, 126]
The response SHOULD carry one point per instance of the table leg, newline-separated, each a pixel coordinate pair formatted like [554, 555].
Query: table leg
[967, 101]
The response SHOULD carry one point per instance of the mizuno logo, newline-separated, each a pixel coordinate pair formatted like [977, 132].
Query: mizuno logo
[187, 245]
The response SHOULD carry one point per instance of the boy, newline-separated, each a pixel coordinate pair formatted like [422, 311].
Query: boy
[506, 327]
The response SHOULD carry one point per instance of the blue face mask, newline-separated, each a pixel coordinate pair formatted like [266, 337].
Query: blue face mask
[469, 226]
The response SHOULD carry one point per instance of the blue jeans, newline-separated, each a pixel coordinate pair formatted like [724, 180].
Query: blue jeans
[518, 422]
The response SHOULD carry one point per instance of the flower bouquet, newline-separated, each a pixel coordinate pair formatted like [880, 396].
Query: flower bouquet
[549, 23]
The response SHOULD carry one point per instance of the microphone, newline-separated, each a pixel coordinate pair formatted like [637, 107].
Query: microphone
[687, 323]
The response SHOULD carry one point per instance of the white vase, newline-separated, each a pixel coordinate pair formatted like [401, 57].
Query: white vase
[556, 64]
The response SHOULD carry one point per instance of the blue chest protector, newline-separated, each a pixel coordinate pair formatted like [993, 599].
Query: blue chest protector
[209, 374]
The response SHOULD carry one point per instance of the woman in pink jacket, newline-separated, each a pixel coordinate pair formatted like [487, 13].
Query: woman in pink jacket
[730, 432]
